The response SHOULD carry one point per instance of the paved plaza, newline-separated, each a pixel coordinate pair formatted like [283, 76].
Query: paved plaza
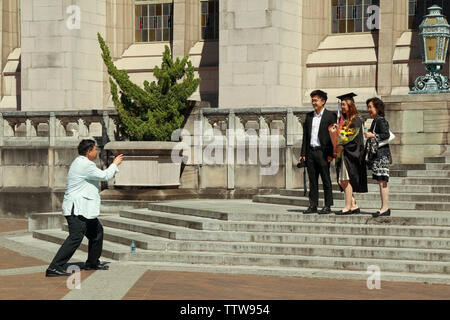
[22, 278]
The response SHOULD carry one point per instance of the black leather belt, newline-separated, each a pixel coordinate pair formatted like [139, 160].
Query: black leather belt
[315, 148]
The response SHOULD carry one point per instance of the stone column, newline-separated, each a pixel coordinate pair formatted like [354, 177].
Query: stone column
[393, 23]
[120, 30]
[185, 26]
[61, 63]
[315, 17]
[259, 53]
[385, 48]
[9, 40]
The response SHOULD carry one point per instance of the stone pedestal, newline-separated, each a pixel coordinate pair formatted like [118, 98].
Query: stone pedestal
[146, 164]
[421, 124]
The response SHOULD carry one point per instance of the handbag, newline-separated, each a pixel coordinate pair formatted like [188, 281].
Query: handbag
[371, 149]
[388, 140]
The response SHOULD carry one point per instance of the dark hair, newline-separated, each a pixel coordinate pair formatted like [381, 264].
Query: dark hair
[319, 93]
[85, 146]
[378, 104]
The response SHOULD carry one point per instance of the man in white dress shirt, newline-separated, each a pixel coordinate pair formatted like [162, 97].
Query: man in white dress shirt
[317, 151]
[81, 206]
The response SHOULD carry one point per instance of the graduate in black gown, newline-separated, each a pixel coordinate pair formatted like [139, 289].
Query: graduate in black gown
[351, 167]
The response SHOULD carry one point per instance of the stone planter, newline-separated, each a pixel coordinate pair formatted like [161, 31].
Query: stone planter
[145, 164]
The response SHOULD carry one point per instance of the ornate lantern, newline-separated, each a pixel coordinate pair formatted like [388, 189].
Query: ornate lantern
[434, 36]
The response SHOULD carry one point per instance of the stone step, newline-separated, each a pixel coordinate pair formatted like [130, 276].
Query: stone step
[326, 250]
[436, 181]
[205, 213]
[364, 204]
[124, 237]
[420, 173]
[110, 250]
[444, 159]
[114, 206]
[422, 166]
[441, 181]
[375, 196]
[185, 221]
[242, 230]
[149, 228]
[253, 211]
[408, 166]
[437, 166]
[146, 241]
[394, 188]
[300, 272]
[121, 252]
[295, 219]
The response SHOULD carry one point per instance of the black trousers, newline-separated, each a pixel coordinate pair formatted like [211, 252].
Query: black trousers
[79, 227]
[317, 164]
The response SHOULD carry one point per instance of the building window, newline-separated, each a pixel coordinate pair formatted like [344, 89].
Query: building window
[153, 20]
[350, 15]
[418, 9]
[209, 19]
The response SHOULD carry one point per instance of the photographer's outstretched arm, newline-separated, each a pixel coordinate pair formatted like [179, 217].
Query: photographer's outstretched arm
[94, 173]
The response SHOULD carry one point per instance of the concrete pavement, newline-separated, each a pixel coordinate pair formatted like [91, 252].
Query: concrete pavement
[22, 277]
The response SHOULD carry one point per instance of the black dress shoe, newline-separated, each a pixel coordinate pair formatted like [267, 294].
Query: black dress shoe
[98, 266]
[382, 214]
[310, 210]
[344, 213]
[356, 211]
[325, 210]
[52, 272]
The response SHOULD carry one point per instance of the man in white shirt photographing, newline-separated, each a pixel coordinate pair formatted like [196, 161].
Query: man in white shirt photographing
[81, 207]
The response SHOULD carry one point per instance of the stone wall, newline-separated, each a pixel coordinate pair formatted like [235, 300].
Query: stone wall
[421, 124]
[61, 64]
[259, 53]
[36, 150]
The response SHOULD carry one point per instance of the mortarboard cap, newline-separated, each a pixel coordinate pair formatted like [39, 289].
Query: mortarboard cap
[347, 96]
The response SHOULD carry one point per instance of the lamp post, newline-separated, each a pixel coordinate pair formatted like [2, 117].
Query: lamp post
[434, 37]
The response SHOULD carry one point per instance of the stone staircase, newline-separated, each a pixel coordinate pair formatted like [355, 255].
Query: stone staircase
[411, 187]
[264, 237]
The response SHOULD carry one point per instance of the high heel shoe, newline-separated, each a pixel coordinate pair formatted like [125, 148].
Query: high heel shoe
[356, 211]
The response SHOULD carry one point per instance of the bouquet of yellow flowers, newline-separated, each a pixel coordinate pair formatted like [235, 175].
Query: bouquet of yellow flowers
[345, 136]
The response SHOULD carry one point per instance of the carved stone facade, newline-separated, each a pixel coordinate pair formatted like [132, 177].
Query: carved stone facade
[268, 53]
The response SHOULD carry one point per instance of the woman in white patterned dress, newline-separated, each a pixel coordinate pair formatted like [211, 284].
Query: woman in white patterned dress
[379, 130]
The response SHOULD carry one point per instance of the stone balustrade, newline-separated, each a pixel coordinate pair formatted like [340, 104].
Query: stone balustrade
[235, 150]
[56, 128]
[238, 148]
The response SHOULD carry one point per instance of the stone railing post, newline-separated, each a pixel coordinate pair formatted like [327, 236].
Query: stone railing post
[52, 129]
[230, 150]
[51, 150]
[108, 126]
[289, 132]
[2, 132]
